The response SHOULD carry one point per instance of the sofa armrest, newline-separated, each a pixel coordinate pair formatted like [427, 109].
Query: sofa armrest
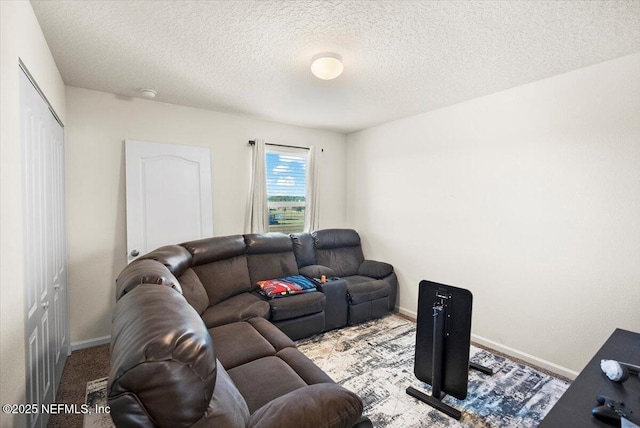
[316, 271]
[323, 405]
[163, 364]
[363, 422]
[144, 272]
[375, 269]
[337, 308]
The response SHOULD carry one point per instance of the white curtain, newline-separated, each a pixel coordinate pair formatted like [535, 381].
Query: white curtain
[257, 220]
[312, 210]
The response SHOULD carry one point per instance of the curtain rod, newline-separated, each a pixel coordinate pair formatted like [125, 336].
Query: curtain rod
[252, 142]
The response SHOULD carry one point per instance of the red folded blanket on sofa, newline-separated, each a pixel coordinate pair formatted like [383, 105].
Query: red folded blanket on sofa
[287, 286]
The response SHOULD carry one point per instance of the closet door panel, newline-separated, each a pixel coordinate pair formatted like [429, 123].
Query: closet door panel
[46, 320]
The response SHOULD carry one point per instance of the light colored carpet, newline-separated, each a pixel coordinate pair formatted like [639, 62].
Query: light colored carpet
[375, 360]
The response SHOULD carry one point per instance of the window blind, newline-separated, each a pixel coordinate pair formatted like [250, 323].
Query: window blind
[286, 189]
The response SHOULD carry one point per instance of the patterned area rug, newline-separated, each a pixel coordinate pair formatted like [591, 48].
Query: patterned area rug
[97, 397]
[375, 360]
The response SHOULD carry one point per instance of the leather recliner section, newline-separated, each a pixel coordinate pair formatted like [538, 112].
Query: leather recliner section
[181, 306]
[163, 362]
[372, 286]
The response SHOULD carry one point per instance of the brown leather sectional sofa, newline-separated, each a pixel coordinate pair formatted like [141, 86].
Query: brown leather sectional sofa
[193, 343]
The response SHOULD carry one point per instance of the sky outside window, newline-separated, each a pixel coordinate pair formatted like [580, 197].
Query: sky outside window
[286, 174]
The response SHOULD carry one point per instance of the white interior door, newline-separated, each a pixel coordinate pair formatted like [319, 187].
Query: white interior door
[45, 261]
[168, 195]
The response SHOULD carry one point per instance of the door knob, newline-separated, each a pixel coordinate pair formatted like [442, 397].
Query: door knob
[135, 253]
[45, 305]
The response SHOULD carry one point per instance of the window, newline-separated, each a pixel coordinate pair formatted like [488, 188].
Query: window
[286, 189]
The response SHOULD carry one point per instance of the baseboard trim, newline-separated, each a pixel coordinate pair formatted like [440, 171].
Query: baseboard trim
[507, 350]
[408, 313]
[531, 359]
[90, 343]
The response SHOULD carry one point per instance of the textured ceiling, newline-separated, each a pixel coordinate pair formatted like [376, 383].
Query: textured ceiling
[400, 57]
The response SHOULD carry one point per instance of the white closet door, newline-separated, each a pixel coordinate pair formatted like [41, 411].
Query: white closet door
[45, 258]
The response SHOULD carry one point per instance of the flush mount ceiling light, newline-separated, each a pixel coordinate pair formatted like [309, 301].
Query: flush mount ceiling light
[148, 93]
[326, 66]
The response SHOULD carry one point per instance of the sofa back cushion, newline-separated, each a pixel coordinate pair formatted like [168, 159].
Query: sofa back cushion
[175, 257]
[194, 291]
[221, 266]
[303, 249]
[163, 365]
[210, 250]
[339, 249]
[269, 256]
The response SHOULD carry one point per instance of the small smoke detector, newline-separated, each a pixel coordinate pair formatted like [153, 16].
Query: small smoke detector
[148, 93]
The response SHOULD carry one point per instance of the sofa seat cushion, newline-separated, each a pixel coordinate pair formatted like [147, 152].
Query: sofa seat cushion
[272, 334]
[296, 306]
[364, 289]
[325, 405]
[237, 308]
[301, 364]
[227, 408]
[265, 379]
[239, 343]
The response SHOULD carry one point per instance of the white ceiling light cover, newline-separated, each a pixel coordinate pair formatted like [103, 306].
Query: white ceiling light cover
[326, 67]
[148, 93]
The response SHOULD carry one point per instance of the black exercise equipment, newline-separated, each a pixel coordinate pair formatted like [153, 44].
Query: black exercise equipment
[443, 340]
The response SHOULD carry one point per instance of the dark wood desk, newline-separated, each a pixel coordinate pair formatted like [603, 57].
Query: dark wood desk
[574, 407]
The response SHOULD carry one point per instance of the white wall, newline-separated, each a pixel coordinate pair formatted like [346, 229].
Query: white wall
[98, 125]
[22, 38]
[529, 197]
